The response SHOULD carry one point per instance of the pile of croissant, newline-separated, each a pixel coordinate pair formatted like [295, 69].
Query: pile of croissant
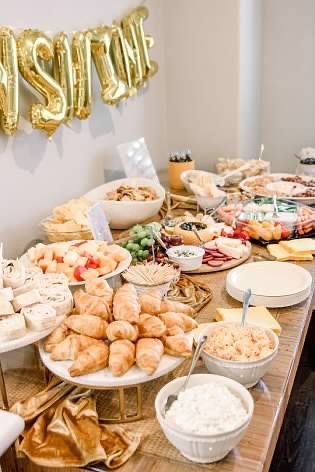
[118, 330]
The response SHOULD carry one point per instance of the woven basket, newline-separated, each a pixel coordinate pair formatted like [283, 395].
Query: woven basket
[58, 236]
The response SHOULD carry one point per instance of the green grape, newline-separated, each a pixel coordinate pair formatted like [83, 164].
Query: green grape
[129, 245]
[142, 234]
[135, 247]
[137, 228]
[144, 242]
[145, 254]
[140, 253]
[150, 241]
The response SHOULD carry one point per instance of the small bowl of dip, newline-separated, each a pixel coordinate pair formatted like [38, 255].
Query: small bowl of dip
[242, 354]
[186, 256]
[208, 419]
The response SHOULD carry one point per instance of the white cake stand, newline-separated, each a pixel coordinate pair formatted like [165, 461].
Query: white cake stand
[29, 338]
[104, 380]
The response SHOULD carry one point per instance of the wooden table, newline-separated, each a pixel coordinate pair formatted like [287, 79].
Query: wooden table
[271, 395]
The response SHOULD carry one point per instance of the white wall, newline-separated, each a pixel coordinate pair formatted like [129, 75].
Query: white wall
[37, 174]
[288, 121]
[250, 77]
[202, 69]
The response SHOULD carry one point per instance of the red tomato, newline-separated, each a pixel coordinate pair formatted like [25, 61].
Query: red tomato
[78, 271]
[92, 263]
[285, 233]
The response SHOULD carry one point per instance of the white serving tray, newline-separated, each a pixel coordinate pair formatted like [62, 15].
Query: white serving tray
[104, 378]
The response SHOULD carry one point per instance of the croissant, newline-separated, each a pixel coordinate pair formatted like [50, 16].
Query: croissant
[121, 356]
[177, 307]
[100, 288]
[149, 353]
[126, 304]
[177, 345]
[70, 347]
[122, 330]
[151, 302]
[150, 326]
[57, 336]
[174, 330]
[88, 325]
[184, 322]
[92, 359]
[87, 304]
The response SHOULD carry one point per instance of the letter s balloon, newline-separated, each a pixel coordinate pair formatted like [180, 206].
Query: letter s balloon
[33, 45]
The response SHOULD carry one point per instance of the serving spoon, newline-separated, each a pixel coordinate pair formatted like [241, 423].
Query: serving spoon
[246, 301]
[171, 398]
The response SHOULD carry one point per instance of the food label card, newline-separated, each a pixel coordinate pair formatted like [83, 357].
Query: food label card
[99, 224]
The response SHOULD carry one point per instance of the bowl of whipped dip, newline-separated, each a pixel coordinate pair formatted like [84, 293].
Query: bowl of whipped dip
[243, 354]
[208, 419]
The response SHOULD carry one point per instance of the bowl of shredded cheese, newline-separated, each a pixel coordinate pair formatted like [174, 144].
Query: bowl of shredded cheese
[208, 419]
[243, 354]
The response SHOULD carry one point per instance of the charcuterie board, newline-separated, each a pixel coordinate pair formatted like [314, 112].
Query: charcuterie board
[205, 268]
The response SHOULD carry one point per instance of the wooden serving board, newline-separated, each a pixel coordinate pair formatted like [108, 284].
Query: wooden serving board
[205, 268]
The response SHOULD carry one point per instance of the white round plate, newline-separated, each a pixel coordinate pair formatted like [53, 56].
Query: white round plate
[30, 337]
[270, 278]
[270, 302]
[104, 378]
[306, 200]
[122, 266]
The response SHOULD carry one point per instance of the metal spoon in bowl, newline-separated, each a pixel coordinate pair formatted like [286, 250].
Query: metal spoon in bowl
[171, 398]
[246, 301]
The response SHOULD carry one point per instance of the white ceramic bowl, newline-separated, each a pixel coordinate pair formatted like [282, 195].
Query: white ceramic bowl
[123, 215]
[203, 448]
[246, 373]
[210, 202]
[187, 173]
[186, 263]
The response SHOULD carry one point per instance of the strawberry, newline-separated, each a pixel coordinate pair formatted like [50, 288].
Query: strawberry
[78, 271]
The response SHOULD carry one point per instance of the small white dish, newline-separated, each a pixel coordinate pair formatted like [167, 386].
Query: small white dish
[186, 263]
[247, 373]
[203, 448]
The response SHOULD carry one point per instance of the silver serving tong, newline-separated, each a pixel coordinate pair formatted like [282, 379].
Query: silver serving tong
[171, 398]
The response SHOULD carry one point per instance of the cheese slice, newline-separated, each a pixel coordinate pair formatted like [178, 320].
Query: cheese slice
[257, 315]
[281, 254]
[39, 317]
[26, 299]
[298, 246]
[12, 327]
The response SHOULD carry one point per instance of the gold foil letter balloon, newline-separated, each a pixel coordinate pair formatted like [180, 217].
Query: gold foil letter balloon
[34, 45]
[9, 85]
[142, 67]
[122, 56]
[114, 89]
[81, 57]
[63, 71]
